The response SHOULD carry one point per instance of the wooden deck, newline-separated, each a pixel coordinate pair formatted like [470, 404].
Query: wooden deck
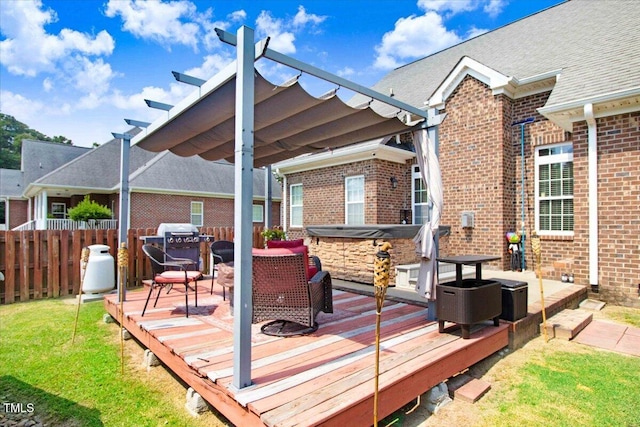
[326, 378]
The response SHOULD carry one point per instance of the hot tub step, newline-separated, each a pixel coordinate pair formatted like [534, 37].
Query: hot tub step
[567, 324]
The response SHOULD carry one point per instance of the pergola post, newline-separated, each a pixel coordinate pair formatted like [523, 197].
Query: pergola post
[123, 211]
[243, 276]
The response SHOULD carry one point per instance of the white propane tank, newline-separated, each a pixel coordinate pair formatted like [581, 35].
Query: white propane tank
[100, 274]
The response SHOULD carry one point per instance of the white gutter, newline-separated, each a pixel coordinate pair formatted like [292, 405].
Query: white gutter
[593, 194]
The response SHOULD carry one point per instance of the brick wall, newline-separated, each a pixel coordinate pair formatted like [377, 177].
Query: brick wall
[18, 211]
[618, 207]
[540, 132]
[475, 179]
[324, 199]
[149, 210]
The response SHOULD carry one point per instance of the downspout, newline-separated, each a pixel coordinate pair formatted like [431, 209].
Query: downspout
[522, 123]
[593, 196]
[283, 208]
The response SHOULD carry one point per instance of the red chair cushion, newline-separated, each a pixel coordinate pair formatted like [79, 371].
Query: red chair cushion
[273, 244]
[286, 251]
[177, 277]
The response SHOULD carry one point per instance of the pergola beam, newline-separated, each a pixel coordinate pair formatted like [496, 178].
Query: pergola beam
[263, 50]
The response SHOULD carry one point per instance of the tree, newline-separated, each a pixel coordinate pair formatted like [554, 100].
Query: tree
[88, 209]
[12, 133]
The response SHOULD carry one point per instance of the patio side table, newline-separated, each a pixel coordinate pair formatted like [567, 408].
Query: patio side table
[468, 301]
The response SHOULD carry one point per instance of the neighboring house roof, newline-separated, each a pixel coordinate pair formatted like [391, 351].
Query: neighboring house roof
[589, 49]
[38, 158]
[98, 171]
[41, 157]
[11, 186]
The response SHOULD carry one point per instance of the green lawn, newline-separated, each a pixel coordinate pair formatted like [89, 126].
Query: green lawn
[553, 384]
[81, 384]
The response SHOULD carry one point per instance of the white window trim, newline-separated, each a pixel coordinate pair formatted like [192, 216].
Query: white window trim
[201, 214]
[556, 158]
[347, 202]
[415, 173]
[64, 210]
[260, 217]
[292, 206]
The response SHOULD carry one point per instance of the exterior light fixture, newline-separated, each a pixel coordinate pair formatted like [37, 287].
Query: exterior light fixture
[394, 182]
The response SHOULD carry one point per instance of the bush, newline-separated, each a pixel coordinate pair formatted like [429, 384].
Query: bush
[88, 209]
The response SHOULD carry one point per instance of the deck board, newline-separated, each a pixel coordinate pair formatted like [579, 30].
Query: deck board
[325, 378]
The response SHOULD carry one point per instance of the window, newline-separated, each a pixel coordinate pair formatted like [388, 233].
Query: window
[258, 213]
[419, 197]
[554, 190]
[295, 191]
[59, 210]
[354, 200]
[197, 214]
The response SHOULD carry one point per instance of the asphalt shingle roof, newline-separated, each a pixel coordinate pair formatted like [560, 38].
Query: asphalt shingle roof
[595, 44]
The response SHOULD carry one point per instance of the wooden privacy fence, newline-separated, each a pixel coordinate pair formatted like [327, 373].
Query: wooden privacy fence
[46, 263]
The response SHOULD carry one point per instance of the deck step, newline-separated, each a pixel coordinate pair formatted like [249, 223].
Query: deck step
[568, 323]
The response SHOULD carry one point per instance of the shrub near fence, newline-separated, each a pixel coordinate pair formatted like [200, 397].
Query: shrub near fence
[46, 263]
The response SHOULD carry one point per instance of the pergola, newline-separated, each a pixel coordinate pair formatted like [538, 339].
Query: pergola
[239, 116]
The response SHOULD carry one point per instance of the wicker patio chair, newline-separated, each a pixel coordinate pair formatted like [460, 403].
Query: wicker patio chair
[222, 252]
[168, 271]
[282, 292]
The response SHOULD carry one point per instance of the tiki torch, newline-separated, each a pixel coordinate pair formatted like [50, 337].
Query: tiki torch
[84, 260]
[381, 269]
[537, 252]
[123, 263]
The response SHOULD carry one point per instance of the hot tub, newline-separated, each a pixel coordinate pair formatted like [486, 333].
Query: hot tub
[469, 302]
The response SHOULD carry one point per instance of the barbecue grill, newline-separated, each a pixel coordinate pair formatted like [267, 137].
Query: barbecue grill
[179, 241]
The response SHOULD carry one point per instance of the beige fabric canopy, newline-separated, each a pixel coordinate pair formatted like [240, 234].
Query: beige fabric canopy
[288, 122]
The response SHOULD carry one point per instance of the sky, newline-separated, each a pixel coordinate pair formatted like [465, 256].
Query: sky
[78, 68]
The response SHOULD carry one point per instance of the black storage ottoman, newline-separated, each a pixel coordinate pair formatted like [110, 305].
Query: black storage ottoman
[514, 299]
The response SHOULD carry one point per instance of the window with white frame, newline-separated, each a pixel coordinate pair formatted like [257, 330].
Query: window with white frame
[354, 200]
[197, 213]
[419, 197]
[59, 210]
[258, 213]
[554, 190]
[295, 206]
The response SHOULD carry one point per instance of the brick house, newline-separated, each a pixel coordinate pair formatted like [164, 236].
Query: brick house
[573, 71]
[163, 188]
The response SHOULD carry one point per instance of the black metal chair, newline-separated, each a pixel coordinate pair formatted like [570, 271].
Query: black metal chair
[167, 271]
[222, 252]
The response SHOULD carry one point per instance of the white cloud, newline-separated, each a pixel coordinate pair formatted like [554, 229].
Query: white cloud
[237, 16]
[413, 37]
[29, 50]
[346, 72]
[494, 7]
[18, 106]
[281, 39]
[211, 66]
[303, 18]
[165, 23]
[452, 6]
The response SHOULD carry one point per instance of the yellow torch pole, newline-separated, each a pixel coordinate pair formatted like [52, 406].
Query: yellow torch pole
[123, 263]
[381, 268]
[84, 260]
[537, 252]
